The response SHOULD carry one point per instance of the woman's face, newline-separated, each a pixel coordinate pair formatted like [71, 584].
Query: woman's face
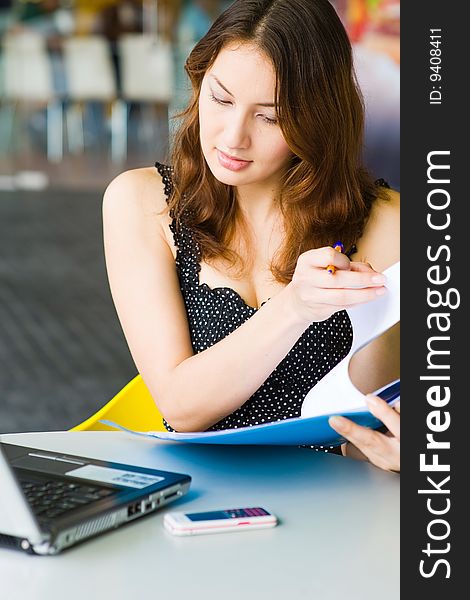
[238, 119]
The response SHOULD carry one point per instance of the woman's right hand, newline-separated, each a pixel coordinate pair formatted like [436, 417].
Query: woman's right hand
[315, 294]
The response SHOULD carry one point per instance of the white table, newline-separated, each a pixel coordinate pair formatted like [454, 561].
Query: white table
[338, 537]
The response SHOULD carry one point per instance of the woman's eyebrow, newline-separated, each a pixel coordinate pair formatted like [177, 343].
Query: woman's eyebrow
[230, 93]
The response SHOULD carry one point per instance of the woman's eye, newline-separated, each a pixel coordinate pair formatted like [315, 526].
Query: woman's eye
[218, 100]
[269, 120]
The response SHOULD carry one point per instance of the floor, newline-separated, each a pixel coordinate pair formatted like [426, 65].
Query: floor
[62, 351]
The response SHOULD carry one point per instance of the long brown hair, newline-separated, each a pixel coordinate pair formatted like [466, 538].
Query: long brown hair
[326, 194]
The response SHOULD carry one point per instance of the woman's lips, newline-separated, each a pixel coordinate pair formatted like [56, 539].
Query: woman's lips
[232, 164]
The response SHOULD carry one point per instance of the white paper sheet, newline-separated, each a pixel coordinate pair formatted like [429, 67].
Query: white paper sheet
[336, 392]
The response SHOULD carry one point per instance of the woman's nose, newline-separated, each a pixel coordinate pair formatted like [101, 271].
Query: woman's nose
[236, 133]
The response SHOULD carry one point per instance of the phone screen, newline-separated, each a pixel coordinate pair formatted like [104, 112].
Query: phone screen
[231, 513]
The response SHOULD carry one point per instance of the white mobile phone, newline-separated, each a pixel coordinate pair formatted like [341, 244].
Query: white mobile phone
[218, 521]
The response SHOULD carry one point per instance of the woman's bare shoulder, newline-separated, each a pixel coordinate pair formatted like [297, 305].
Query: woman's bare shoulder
[136, 200]
[380, 243]
[137, 189]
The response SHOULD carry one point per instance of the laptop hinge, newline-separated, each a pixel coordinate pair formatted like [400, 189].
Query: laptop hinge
[16, 517]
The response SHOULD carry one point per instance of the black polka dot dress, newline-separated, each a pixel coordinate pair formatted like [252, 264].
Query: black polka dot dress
[215, 313]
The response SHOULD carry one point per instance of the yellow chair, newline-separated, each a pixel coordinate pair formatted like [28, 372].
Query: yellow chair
[133, 407]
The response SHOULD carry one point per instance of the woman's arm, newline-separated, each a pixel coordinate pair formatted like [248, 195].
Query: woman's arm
[191, 391]
[195, 391]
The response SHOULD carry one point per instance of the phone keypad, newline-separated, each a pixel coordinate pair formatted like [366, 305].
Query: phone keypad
[236, 513]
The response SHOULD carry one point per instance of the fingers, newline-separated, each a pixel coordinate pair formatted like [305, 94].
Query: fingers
[361, 275]
[347, 275]
[361, 266]
[322, 257]
[382, 451]
[351, 279]
[316, 293]
[358, 435]
[385, 413]
[340, 298]
[351, 451]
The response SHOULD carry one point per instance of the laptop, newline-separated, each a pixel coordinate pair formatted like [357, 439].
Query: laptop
[50, 501]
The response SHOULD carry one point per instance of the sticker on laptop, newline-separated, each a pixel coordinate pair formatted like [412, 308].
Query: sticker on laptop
[115, 476]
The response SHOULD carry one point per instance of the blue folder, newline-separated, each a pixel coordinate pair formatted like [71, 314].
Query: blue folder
[290, 432]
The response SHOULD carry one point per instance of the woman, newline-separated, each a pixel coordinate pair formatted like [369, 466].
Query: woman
[265, 177]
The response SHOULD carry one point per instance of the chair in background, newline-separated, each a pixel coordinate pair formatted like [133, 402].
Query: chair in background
[2, 97]
[147, 77]
[133, 407]
[91, 78]
[28, 85]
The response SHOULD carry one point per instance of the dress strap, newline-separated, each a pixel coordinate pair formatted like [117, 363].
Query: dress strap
[187, 249]
[382, 183]
[166, 173]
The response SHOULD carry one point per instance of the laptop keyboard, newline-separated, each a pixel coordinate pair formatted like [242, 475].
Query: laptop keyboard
[55, 497]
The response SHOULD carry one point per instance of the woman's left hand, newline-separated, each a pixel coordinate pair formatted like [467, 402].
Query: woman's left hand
[381, 449]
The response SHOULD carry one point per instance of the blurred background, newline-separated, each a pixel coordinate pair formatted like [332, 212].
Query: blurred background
[88, 89]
